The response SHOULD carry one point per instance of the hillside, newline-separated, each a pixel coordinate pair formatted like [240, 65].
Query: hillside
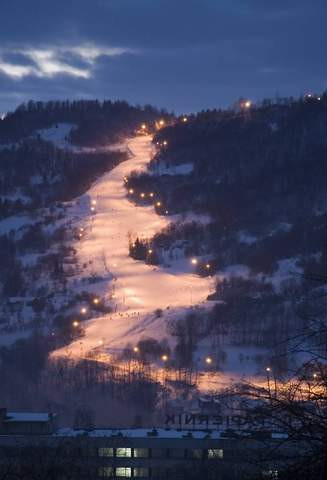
[259, 175]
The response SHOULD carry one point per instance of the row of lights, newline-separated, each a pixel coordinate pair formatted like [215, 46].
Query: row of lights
[194, 261]
[165, 357]
[158, 204]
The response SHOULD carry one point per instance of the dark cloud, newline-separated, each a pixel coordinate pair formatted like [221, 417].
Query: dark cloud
[183, 54]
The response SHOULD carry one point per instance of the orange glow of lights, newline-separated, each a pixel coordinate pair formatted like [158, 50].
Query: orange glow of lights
[100, 342]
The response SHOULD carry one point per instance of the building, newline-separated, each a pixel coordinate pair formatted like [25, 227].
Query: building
[31, 443]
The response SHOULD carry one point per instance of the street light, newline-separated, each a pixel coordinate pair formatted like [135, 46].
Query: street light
[96, 301]
[247, 104]
[75, 323]
[162, 122]
[208, 265]
[165, 142]
[131, 191]
[194, 261]
[92, 209]
[184, 119]
[164, 358]
[143, 126]
[151, 194]
[100, 342]
[83, 310]
[136, 349]
[142, 195]
[209, 360]
[150, 251]
[94, 202]
[158, 204]
[268, 369]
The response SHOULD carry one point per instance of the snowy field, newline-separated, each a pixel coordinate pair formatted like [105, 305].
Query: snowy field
[135, 289]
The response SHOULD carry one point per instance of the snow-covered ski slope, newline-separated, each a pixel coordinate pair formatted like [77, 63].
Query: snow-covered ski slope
[139, 289]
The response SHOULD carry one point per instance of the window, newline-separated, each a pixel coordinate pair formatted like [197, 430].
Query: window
[141, 472]
[215, 453]
[177, 453]
[141, 452]
[123, 472]
[158, 453]
[105, 452]
[158, 472]
[123, 452]
[105, 472]
[196, 453]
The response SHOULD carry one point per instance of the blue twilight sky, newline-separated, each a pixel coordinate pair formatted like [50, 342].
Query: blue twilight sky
[186, 55]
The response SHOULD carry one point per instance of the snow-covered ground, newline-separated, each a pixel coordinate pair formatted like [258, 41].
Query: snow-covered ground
[138, 289]
[59, 133]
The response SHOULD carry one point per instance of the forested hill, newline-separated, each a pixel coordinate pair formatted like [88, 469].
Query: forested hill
[259, 174]
[95, 122]
[50, 153]
[262, 165]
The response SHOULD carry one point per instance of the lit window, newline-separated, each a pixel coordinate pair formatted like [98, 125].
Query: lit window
[196, 453]
[123, 472]
[123, 452]
[215, 453]
[271, 474]
[106, 472]
[106, 452]
[141, 452]
[141, 472]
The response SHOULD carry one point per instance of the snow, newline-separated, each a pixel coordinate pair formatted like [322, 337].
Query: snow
[287, 269]
[14, 222]
[27, 417]
[183, 169]
[139, 289]
[139, 433]
[57, 134]
[246, 238]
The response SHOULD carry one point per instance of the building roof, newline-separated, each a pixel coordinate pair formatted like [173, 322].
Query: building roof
[140, 433]
[27, 417]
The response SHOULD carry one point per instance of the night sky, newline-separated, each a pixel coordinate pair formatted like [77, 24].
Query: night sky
[185, 55]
